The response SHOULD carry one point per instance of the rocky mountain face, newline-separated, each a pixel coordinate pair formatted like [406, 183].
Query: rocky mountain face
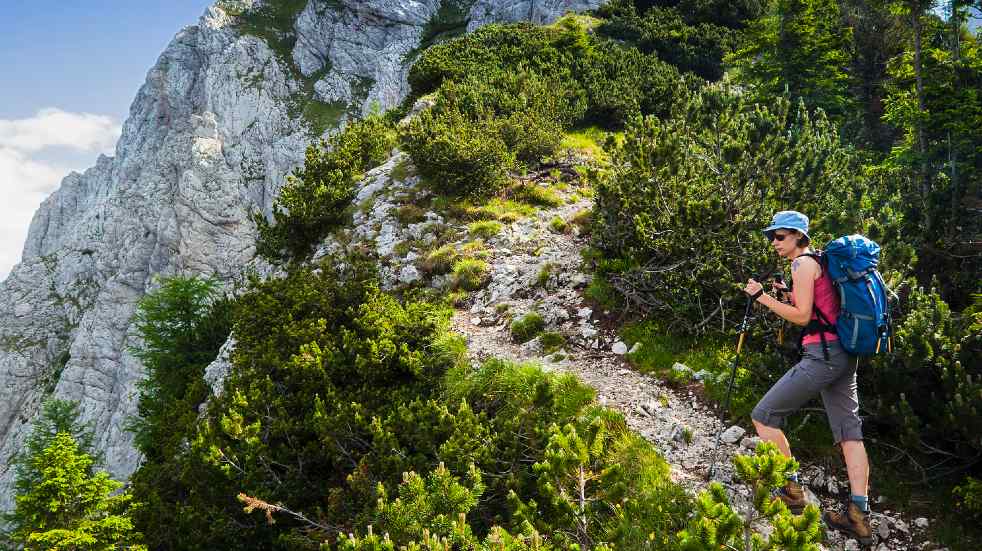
[209, 139]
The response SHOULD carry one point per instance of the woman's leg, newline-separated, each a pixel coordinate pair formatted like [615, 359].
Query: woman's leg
[775, 435]
[841, 400]
[857, 465]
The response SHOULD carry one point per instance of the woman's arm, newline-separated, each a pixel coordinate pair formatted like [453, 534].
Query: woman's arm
[803, 272]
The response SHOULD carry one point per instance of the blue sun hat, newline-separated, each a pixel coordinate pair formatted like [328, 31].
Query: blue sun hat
[787, 220]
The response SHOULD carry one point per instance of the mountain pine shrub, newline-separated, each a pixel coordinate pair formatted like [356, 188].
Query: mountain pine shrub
[314, 200]
[718, 525]
[678, 215]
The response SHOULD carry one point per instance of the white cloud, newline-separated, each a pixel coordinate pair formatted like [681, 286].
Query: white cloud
[31, 168]
[54, 127]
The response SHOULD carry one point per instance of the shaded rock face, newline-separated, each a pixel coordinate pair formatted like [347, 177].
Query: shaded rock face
[209, 138]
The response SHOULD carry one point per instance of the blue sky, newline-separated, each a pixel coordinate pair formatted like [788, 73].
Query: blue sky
[68, 73]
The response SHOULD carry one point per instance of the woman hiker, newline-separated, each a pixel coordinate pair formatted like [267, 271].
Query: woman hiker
[824, 368]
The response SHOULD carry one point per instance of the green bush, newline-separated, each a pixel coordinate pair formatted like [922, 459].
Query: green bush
[699, 48]
[323, 363]
[677, 217]
[552, 341]
[458, 156]
[527, 327]
[314, 199]
[718, 524]
[621, 82]
[929, 389]
[470, 274]
[72, 504]
[968, 497]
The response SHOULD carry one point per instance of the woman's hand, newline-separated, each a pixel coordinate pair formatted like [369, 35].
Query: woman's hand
[753, 287]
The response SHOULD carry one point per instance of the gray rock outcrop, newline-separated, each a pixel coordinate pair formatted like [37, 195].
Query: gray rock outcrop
[209, 139]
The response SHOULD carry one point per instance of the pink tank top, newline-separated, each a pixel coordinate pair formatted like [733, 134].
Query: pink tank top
[826, 300]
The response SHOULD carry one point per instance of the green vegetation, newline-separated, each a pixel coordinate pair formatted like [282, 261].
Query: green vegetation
[716, 524]
[315, 198]
[582, 219]
[484, 229]
[552, 341]
[558, 225]
[545, 272]
[676, 185]
[182, 325]
[61, 501]
[700, 118]
[470, 274]
[350, 413]
[527, 327]
[536, 195]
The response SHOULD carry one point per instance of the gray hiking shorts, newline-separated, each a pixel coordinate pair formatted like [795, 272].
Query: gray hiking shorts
[835, 380]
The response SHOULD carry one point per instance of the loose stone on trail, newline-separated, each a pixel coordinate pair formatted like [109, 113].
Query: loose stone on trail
[733, 434]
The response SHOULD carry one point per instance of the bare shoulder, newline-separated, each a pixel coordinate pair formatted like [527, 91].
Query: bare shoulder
[805, 266]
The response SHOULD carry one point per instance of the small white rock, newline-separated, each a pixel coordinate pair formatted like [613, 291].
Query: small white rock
[733, 434]
[475, 321]
[619, 348]
[584, 312]
[635, 348]
[921, 522]
[852, 545]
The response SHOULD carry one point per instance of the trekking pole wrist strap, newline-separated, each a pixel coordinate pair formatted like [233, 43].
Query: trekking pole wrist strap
[756, 295]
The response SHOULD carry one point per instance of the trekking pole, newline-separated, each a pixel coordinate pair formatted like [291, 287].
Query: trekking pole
[729, 389]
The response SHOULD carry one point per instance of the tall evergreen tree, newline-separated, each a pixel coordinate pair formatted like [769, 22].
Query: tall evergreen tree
[71, 507]
[800, 48]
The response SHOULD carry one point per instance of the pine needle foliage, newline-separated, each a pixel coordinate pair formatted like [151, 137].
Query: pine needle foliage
[70, 505]
[314, 200]
[718, 524]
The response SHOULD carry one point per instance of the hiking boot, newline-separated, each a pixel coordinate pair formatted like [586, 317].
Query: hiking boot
[793, 495]
[853, 522]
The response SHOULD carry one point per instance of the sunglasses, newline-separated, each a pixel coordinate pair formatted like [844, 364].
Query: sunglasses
[779, 236]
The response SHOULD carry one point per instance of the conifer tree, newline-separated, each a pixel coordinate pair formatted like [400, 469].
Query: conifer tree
[71, 507]
[800, 48]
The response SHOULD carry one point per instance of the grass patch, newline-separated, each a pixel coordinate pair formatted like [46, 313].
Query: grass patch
[484, 229]
[470, 274]
[545, 272]
[587, 141]
[552, 341]
[558, 225]
[582, 220]
[440, 261]
[527, 327]
[533, 194]
[410, 214]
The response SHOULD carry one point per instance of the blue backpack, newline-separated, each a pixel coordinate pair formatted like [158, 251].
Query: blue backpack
[864, 322]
